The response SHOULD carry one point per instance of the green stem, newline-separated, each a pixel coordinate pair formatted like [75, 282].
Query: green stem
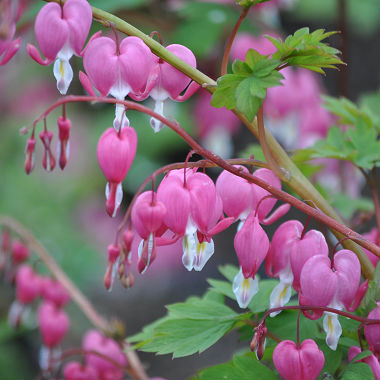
[293, 178]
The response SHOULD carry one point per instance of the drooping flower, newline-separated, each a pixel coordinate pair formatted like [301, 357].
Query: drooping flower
[148, 219]
[118, 69]
[116, 152]
[168, 82]
[61, 32]
[95, 341]
[330, 284]
[298, 363]
[251, 245]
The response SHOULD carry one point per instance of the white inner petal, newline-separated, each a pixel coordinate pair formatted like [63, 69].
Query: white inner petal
[333, 330]
[63, 73]
[189, 245]
[203, 253]
[244, 289]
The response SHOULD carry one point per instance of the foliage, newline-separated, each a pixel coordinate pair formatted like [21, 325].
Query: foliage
[242, 367]
[355, 140]
[305, 49]
[246, 88]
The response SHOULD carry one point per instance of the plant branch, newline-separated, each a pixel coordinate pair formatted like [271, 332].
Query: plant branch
[366, 321]
[367, 267]
[226, 54]
[293, 176]
[76, 295]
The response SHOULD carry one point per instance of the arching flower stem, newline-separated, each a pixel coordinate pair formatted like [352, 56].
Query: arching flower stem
[367, 267]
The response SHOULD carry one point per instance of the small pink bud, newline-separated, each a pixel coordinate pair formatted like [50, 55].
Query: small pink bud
[54, 324]
[113, 256]
[48, 160]
[64, 126]
[20, 252]
[303, 363]
[30, 154]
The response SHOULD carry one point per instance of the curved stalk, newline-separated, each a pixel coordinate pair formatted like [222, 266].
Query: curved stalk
[367, 267]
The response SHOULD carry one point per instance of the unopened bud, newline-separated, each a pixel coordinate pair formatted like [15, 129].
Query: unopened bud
[48, 160]
[30, 155]
[258, 341]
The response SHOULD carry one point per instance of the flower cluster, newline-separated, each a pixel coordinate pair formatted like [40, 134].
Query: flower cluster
[104, 358]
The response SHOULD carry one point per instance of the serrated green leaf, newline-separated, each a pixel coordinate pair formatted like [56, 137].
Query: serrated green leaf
[242, 367]
[201, 309]
[247, 103]
[305, 49]
[183, 337]
[246, 88]
[357, 371]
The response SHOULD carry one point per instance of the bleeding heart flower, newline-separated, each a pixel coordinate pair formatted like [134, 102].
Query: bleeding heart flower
[298, 363]
[118, 70]
[372, 332]
[54, 324]
[116, 152]
[78, 371]
[61, 31]
[169, 82]
[251, 245]
[330, 284]
[95, 341]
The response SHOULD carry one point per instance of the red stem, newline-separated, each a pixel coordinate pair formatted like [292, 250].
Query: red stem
[365, 321]
[223, 69]
[277, 193]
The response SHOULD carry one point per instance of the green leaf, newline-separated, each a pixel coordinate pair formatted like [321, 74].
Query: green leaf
[333, 359]
[362, 355]
[358, 143]
[246, 88]
[191, 326]
[305, 49]
[229, 271]
[357, 371]
[242, 367]
[284, 325]
[222, 287]
[347, 206]
[260, 301]
[184, 337]
[201, 309]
